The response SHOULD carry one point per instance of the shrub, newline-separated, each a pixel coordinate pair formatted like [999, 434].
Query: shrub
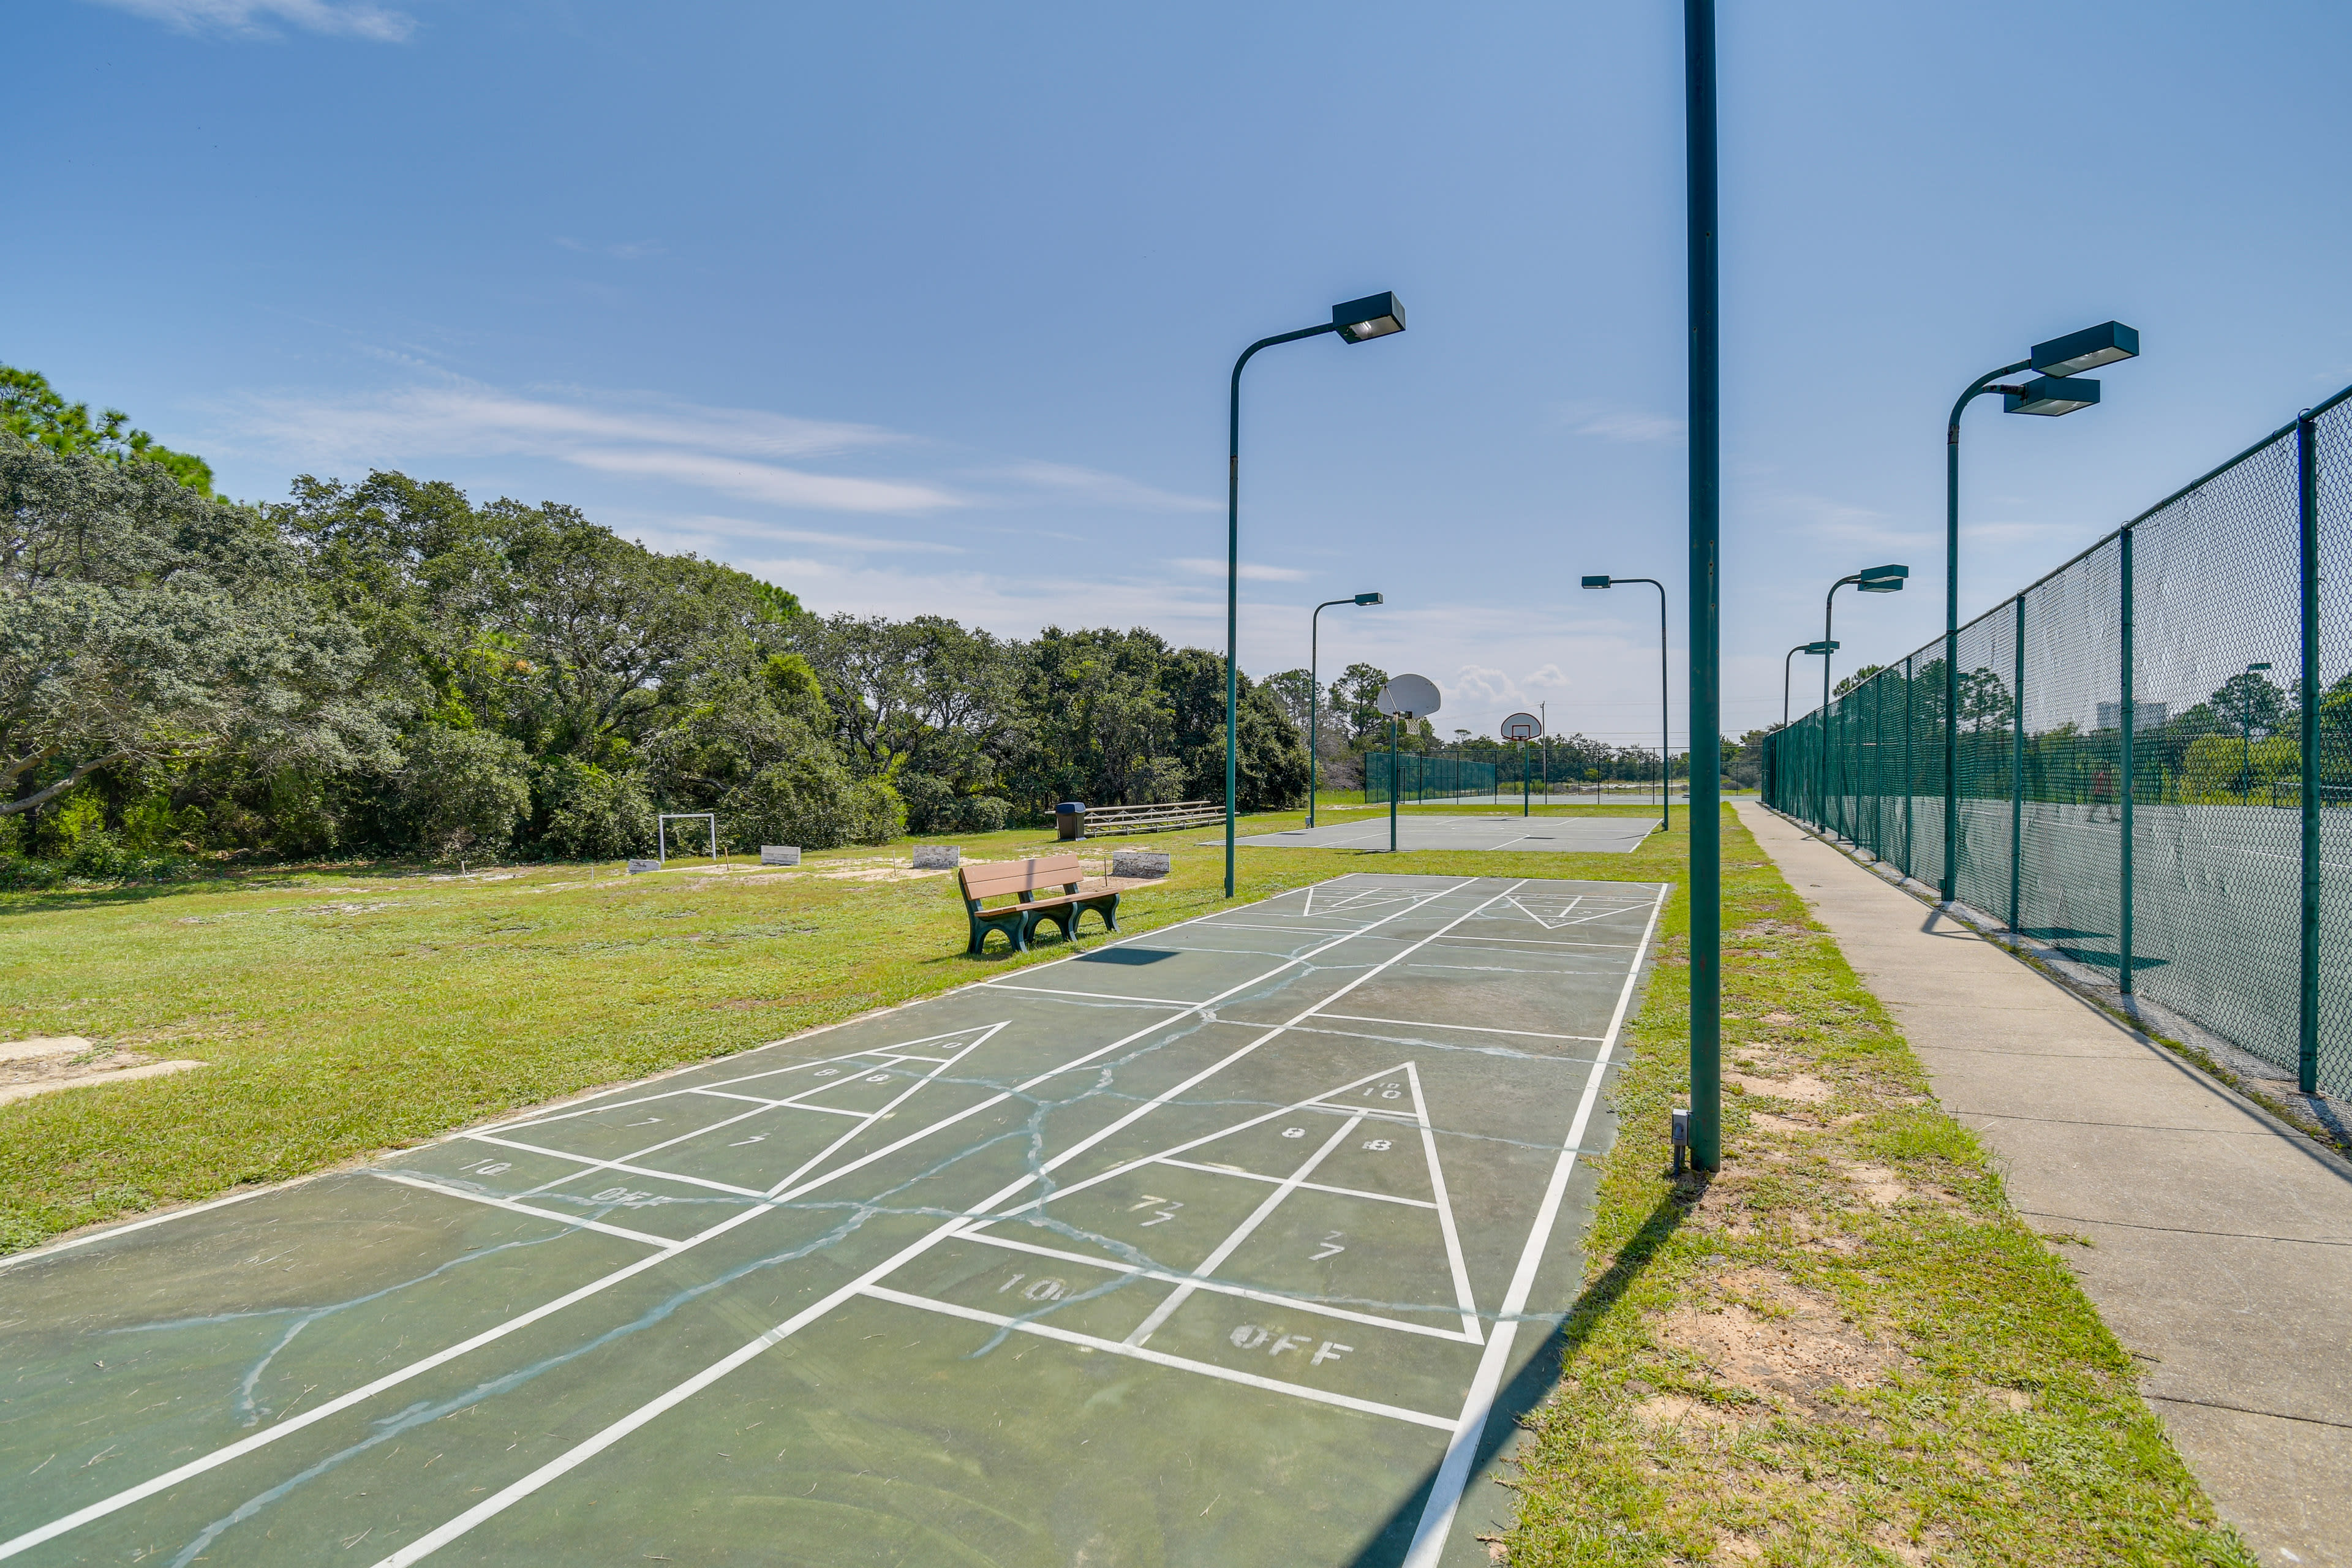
[983, 814]
[876, 816]
[591, 814]
[463, 791]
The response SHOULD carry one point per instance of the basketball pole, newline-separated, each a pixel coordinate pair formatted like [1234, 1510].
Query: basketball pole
[1706, 537]
[1392, 781]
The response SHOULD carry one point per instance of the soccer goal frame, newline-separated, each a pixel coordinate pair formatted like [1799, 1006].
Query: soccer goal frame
[661, 831]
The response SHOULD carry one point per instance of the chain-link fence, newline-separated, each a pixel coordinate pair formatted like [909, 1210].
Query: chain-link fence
[2152, 754]
[1420, 777]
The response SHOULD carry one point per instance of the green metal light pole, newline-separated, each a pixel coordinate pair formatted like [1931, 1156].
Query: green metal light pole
[1315, 691]
[2055, 389]
[1869, 579]
[1705, 536]
[1356, 321]
[1780, 743]
[1665, 725]
[1820, 647]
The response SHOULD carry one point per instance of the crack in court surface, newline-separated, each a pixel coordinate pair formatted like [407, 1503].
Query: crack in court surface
[1256, 1235]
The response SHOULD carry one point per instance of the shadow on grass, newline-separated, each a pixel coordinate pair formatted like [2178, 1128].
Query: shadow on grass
[1539, 1375]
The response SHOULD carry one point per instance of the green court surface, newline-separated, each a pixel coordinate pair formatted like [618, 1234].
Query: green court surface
[1558, 834]
[1237, 1242]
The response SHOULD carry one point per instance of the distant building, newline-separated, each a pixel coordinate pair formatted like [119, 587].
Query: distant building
[2144, 715]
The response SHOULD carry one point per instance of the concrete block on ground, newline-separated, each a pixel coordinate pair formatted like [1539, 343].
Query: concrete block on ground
[938, 857]
[780, 854]
[636, 866]
[1140, 862]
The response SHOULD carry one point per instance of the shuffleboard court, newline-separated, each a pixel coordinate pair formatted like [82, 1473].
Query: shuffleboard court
[1217, 1245]
[1557, 834]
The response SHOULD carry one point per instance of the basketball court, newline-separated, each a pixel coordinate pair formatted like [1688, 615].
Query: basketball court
[1454, 830]
[1221, 1244]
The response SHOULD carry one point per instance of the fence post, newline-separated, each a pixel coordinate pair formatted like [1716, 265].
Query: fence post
[2131, 717]
[1910, 779]
[2017, 772]
[2306, 474]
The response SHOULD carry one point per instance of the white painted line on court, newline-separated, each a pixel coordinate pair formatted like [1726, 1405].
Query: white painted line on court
[1268, 1297]
[774, 1104]
[565, 1462]
[1304, 1187]
[589, 1162]
[1471, 1028]
[1543, 942]
[875, 1060]
[1470, 1330]
[882, 1056]
[1167, 1001]
[317, 1413]
[53, 1248]
[1453, 1474]
[1138, 1353]
[1142, 1333]
[569, 1221]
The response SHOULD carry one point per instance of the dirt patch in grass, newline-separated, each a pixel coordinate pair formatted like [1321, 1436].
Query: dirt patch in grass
[1786, 1344]
[50, 1063]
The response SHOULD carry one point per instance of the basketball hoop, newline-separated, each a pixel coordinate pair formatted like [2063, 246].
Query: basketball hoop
[1522, 726]
[1408, 697]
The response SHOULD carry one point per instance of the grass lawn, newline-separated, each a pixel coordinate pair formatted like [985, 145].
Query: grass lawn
[346, 1010]
[1845, 1349]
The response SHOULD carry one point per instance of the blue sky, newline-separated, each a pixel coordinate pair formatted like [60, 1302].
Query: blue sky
[931, 308]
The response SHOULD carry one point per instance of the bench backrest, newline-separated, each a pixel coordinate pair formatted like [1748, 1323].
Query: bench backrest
[997, 878]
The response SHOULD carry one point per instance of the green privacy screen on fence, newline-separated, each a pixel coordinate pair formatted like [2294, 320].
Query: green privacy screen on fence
[1427, 778]
[2154, 756]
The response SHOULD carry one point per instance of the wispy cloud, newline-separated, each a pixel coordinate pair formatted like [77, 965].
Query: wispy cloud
[254, 18]
[1619, 423]
[727, 450]
[697, 533]
[1252, 571]
[1093, 485]
[763, 481]
[1827, 517]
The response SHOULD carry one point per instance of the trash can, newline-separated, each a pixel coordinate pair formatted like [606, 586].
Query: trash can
[1070, 818]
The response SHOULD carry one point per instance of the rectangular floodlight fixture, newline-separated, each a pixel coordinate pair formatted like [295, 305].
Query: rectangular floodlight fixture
[1373, 315]
[2087, 350]
[1370, 599]
[1596, 582]
[1869, 574]
[2051, 394]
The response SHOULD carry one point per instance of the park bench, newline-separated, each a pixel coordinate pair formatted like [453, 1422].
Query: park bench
[1110, 821]
[1019, 921]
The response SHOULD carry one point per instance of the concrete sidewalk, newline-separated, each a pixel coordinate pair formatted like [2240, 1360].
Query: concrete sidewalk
[2221, 1251]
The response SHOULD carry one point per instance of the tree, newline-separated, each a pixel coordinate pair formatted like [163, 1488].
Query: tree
[1858, 677]
[143, 623]
[32, 409]
[1357, 694]
[2250, 701]
[1295, 690]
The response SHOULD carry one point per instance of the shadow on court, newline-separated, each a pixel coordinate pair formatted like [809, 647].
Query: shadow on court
[1542, 1373]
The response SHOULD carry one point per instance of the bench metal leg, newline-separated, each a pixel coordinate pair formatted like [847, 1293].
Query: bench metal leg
[1016, 931]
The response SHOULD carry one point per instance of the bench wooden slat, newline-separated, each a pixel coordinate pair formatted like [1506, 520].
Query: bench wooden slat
[992, 878]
